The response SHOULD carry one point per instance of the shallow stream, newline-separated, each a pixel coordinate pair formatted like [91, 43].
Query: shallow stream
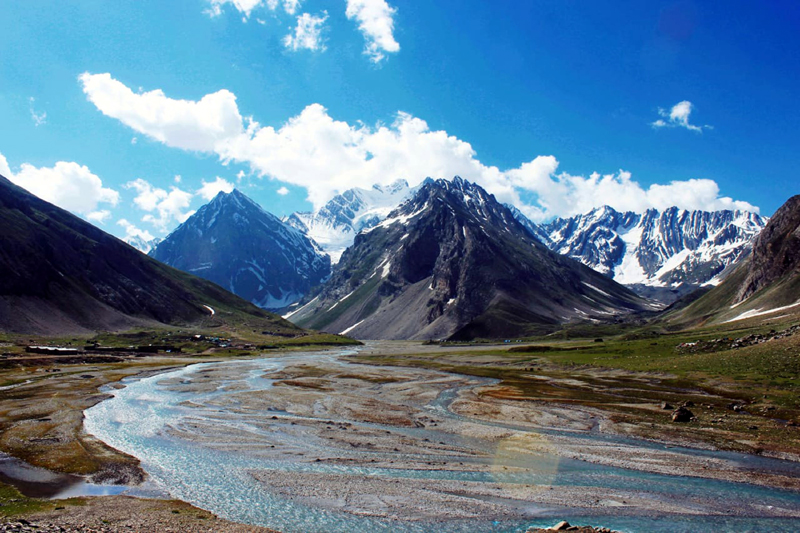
[142, 417]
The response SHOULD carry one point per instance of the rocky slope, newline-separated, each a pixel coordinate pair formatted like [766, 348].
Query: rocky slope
[765, 286]
[336, 224]
[59, 275]
[659, 254]
[233, 242]
[452, 262]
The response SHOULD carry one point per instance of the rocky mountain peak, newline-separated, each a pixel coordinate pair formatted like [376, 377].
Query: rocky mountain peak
[235, 243]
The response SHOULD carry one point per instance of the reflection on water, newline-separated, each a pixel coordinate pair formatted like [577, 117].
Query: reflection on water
[37, 482]
[140, 420]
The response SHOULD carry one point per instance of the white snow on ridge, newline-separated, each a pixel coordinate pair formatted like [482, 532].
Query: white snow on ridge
[210, 310]
[759, 312]
[351, 328]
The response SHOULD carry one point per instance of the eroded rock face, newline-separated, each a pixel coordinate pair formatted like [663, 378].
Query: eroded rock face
[776, 251]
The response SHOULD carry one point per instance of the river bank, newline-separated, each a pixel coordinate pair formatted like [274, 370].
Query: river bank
[356, 445]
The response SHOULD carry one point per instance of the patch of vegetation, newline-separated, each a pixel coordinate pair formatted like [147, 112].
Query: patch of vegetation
[14, 503]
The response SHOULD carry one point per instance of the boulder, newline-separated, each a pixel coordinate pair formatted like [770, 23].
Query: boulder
[561, 526]
[682, 414]
[666, 406]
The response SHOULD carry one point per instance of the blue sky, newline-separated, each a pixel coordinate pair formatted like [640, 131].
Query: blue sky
[686, 103]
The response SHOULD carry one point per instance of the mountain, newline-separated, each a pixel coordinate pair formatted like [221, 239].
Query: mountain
[336, 224]
[765, 286]
[61, 275]
[452, 262]
[659, 254]
[233, 242]
[141, 244]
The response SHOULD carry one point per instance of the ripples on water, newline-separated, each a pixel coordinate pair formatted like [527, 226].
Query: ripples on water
[137, 419]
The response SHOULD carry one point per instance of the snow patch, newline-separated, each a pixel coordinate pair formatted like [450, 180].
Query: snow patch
[759, 312]
[351, 328]
[210, 310]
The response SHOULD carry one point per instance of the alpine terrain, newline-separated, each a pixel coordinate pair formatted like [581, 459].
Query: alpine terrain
[452, 262]
[765, 286]
[60, 274]
[336, 224]
[658, 254]
[233, 242]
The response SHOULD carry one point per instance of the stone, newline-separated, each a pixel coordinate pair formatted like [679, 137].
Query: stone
[561, 526]
[666, 406]
[682, 414]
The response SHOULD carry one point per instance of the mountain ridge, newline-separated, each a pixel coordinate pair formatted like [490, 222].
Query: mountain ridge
[60, 274]
[235, 243]
[451, 262]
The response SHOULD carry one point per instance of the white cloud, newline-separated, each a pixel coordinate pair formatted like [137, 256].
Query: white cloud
[283, 191]
[177, 178]
[376, 22]
[132, 232]
[307, 34]
[162, 207]
[68, 185]
[5, 170]
[99, 216]
[245, 7]
[291, 6]
[678, 116]
[38, 118]
[326, 156]
[210, 189]
[179, 123]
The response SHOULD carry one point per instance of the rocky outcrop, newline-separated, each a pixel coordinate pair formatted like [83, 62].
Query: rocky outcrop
[776, 251]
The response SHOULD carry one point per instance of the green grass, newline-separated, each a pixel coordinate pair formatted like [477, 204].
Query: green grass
[13, 503]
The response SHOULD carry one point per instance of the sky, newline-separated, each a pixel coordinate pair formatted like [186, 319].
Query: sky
[134, 114]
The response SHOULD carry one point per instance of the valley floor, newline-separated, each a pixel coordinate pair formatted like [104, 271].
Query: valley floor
[460, 426]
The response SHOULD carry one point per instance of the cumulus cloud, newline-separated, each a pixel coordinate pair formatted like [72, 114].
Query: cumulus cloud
[327, 156]
[66, 184]
[307, 34]
[38, 118]
[182, 124]
[678, 116]
[99, 217]
[133, 232]
[376, 22]
[564, 195]
[212, 188]
[246, 7]
[283, 191]
[162, 207]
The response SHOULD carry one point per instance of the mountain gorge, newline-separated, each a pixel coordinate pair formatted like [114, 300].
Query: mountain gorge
[60, 274]
[452, 262]
[235, 243]
[659, 254]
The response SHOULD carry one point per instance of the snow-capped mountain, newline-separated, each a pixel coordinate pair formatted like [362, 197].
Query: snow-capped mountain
[233, 242]
[143, 245]
[335, 225]
[662, 254]
[452, 262]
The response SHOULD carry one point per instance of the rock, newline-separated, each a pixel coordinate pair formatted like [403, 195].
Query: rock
[688, 403]
[561, 526]
[682, 414]
[666, 406]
